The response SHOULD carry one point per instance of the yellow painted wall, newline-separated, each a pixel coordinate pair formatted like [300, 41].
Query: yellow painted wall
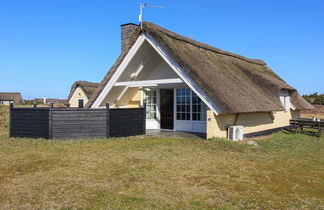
[217, 125]
[252, 122]
[78, 94]
[135, 101]
[131, 99]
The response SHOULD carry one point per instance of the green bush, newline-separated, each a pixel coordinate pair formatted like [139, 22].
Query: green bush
[315, 98]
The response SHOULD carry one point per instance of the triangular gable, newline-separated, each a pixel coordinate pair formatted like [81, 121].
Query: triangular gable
[145, 37]
[78, 92]
[87, 88]
[238, 84]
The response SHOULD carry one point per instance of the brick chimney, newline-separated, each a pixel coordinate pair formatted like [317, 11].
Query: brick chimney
[126, 31]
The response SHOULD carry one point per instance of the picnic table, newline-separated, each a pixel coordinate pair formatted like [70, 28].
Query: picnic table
[302, 123]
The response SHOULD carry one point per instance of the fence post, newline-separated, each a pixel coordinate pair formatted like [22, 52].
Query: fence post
[144, 118]
[50, 121]
[107, 121]
[10, 119]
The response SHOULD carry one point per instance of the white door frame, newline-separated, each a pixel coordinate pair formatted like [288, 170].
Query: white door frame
[154, 123]
[174, 109]
[178, 125]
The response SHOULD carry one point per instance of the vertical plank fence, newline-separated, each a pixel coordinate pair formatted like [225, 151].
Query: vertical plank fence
[29, 122]
[126, 122]
[76, 123]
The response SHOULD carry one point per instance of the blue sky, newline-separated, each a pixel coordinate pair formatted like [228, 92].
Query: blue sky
[46, 45]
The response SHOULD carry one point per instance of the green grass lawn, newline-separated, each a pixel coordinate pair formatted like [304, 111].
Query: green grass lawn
[286, 171]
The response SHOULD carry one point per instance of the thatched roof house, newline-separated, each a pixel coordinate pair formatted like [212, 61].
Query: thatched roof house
[57, 101]
[7, 98]
[154, 59]
[81, 92]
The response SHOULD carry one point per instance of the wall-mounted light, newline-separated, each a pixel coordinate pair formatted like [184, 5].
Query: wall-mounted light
[133, 76]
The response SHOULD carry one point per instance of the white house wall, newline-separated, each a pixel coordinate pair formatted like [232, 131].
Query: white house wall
[143, 54]
[161, 70]
[150, 66]
[143, 57]
[115, 92]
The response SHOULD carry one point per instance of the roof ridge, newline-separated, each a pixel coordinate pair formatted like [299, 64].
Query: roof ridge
[10, 92]
[196, 43]
[84, 82]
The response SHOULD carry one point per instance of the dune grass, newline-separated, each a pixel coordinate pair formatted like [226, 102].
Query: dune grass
[310, 115]
[4, 116]
[286, 171]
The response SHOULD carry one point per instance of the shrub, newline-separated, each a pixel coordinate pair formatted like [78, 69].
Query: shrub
[315, 98]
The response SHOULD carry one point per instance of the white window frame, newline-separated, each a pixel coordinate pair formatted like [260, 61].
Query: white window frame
[149, 103]
[190, 104]
[188, 125]
[285, 99]
[199, 111]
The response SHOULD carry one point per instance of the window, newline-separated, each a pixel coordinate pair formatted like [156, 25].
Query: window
[150, 100]
[183, 104]
[80, 103]
[285, 99]
[198, 108]
[189, 106]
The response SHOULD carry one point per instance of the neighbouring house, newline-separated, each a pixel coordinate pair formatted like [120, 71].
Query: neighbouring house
[10, 98]
[57, 101]
[80, 93]
[193, 87]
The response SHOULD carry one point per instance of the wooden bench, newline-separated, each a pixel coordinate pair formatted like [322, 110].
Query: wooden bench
[300, 124]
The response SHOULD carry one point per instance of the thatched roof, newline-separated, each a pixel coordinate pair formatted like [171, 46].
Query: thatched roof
[87, 87]
[51, 100]
[236, 84]
[299, 102]
[15, 97]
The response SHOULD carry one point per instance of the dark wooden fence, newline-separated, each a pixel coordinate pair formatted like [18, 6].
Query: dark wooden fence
[302, 124]
[29, 122]
[127, 122]
[69, 123]
[75, 123]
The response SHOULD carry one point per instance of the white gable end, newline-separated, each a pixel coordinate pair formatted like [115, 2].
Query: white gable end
[148, 62]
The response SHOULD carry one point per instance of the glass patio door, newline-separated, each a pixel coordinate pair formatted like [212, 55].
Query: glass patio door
[190, 111]
[152, 109]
